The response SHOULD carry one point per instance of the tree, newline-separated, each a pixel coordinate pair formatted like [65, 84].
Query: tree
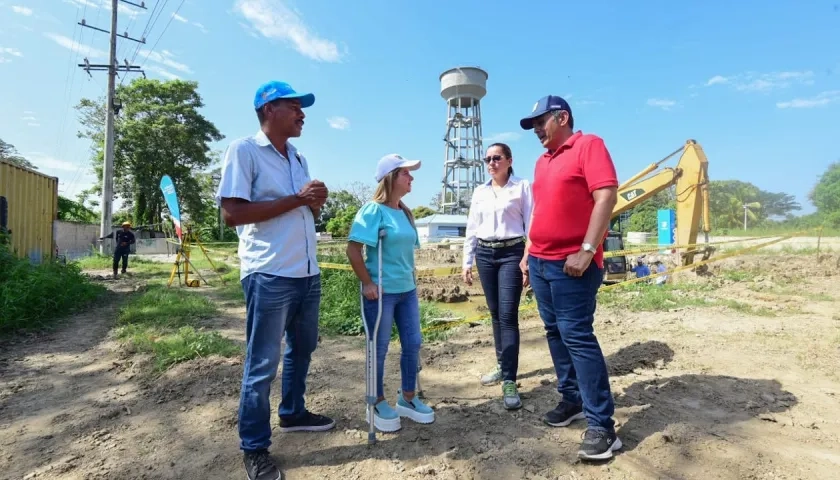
[826, 195]
[643, 216]
[9, 153]
[355, 194]
[422, 211]
[729, 197]
[339, 226]
[159, 132]
[71, 211]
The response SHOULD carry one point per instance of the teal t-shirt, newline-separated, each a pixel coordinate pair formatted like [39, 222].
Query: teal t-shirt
[397, 247]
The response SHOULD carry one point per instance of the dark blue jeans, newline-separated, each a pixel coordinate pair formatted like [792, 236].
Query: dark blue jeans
[121, 253]
[404, 310]
[276, 306]
[567, 307]
[501, 280]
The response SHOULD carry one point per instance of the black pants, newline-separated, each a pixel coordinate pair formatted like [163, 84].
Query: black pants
[121, 253]
[501, 279]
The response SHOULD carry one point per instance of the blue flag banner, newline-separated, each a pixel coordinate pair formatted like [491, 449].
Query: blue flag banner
[171, 197]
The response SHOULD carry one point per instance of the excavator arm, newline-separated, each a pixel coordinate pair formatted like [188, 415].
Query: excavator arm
[691, 179]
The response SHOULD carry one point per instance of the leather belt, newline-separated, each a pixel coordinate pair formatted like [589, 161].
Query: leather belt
[500, 243]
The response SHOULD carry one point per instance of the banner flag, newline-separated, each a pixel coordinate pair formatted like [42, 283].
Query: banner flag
[171, 198]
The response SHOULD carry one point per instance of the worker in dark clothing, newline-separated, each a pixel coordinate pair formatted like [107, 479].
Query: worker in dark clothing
[124, 241]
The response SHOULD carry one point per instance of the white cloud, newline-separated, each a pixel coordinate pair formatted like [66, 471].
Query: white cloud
[273, 19]
[162, 72]
[165, 58]
[662, 103]
[200, 27]
[72, 45]
[179, 18]
[820, 100]
[106, 4]
[22, 10]
[7, 52]
[83, 3]
[46, 162]
[502, 137]
[762, 82]
[339, 123]
[29, 118]
[716, 80]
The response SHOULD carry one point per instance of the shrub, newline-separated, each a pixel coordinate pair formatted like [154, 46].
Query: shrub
[34, 296]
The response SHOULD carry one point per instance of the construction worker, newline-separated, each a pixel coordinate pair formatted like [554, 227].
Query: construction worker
[124, 241]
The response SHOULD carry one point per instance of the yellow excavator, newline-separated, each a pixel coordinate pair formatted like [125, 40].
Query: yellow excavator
[691, 178]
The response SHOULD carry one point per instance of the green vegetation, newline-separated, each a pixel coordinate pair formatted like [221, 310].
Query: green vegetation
[340, 305]
[34, 296]
[644, 297]
[164, 322]
[9, 153]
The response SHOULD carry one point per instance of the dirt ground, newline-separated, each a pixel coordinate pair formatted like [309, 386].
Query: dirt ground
[724, 392]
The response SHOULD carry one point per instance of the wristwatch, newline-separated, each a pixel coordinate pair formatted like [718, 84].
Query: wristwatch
[588, 248]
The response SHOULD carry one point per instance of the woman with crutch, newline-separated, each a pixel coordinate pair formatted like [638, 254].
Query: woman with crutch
[390, 296]
[497, 225]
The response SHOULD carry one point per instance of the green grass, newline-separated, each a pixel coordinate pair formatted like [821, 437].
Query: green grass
[164, 322]
[35, 296]
[641, 297]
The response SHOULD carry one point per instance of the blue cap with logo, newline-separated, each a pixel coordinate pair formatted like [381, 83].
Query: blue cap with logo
[545, 104]
[274, 90]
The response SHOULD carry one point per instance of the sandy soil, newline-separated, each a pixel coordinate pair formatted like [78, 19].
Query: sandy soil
[701, 392]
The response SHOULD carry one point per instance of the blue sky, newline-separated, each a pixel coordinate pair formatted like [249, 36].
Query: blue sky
[757, 83]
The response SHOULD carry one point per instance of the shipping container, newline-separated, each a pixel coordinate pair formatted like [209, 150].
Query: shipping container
[32, 201]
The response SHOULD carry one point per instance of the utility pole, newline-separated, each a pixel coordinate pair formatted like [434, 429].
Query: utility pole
[112, 67]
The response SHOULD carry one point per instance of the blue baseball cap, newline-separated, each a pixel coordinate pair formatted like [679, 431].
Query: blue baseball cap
[273, 90]
[545, 104]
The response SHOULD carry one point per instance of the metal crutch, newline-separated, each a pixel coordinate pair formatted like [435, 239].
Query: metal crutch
[370, 345]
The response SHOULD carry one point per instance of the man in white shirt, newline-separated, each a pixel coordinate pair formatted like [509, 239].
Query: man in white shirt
[497, 225]
[267, 194]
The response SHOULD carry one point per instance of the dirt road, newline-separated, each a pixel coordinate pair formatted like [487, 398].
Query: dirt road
[745, 389]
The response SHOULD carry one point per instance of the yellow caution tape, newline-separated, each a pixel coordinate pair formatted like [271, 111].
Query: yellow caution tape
[478, 318]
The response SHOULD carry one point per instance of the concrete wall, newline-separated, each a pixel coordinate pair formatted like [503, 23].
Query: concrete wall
[151, 246]
[75, 240]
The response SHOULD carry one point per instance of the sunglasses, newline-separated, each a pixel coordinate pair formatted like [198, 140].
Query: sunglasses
[494, 158]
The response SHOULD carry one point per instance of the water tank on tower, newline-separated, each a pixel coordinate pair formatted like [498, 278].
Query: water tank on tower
[462, 88]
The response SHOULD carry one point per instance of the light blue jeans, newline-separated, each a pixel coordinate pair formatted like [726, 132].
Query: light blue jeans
[404, 310]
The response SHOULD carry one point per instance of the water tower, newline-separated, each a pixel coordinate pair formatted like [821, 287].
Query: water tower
[463, 170]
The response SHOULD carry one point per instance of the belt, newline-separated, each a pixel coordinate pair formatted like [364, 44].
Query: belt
[500, 243]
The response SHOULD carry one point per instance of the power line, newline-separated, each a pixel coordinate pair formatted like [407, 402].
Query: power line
[111, 108]
[161, 33]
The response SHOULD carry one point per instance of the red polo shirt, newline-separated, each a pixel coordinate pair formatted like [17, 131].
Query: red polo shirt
[563, 184]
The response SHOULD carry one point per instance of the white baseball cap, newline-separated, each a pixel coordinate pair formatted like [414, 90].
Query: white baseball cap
[391, 162]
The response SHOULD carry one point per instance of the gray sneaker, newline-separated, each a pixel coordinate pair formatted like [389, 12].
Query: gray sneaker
[493, 377]
[510, 395]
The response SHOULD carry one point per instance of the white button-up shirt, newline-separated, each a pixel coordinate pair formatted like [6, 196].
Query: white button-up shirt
[498, 214]
[257, 172]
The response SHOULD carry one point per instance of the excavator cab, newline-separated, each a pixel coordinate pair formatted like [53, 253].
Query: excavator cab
[615, 268]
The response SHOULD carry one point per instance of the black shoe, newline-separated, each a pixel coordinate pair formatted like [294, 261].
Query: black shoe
[260, 466]
[564, 414]
[598, 445]
[306, 422]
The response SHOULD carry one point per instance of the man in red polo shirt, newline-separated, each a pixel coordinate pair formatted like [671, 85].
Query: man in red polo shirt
[574, 192]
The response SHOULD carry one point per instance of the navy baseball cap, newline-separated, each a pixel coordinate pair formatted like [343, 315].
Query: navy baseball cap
[273, 90]
[545, 104]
